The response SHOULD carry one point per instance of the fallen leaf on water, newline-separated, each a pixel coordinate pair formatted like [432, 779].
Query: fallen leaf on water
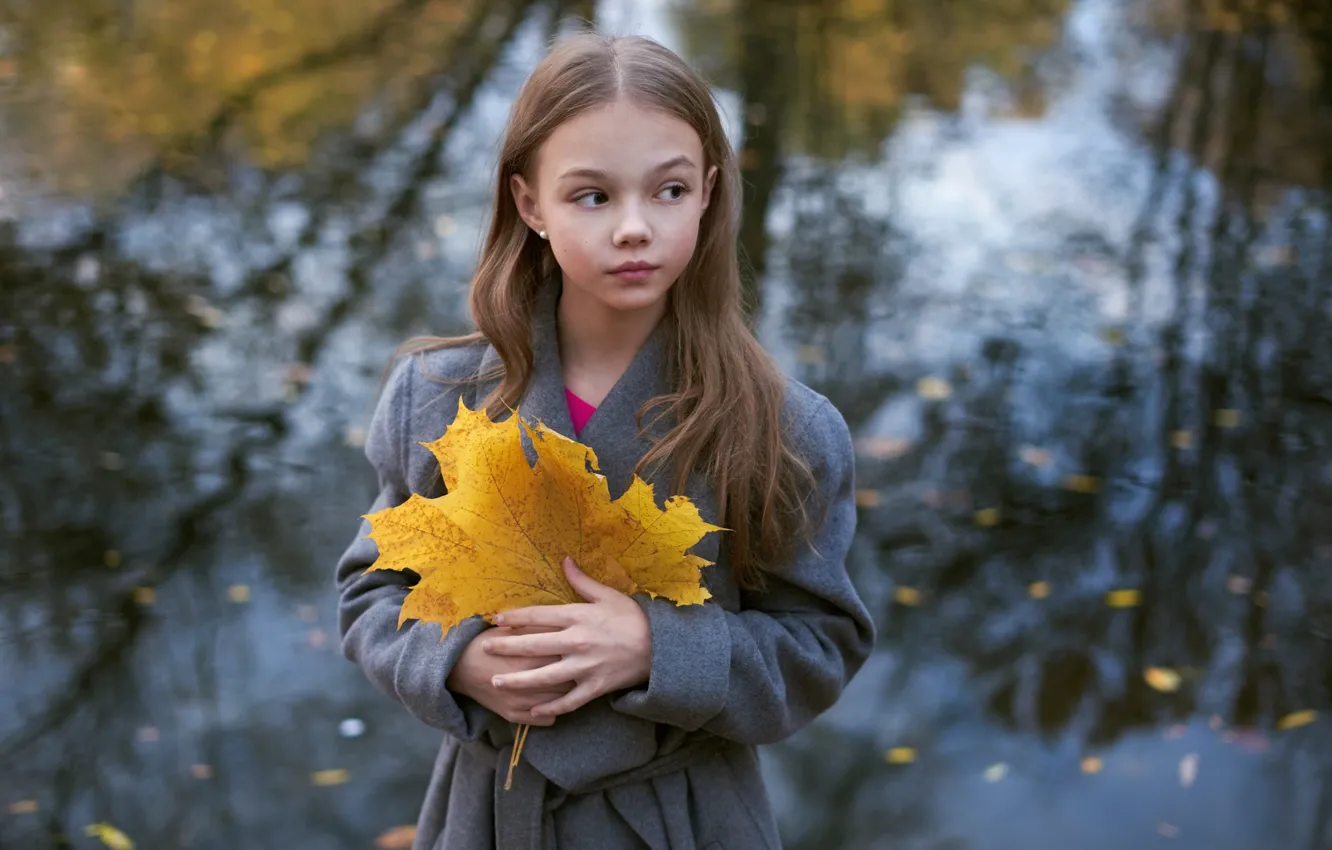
[23, 807]
[1297, 719]
[996, 772]
[397, 838]
[1169, 830]
[238, 593]
[868, 498]
[1035, 456]
[1111, 335]
[1038, 589]
[904, 595]
[1239, 585]
[325, 778]
[900, 755]
[1082, 483]
[109, 835]
[1128, 597]
[355, 437]
[145, 596]
[1181, 440]
[1188, 770]
[935, 389]
[497, 539]
[1226, 418]
[201, 771]
[988, 517]
[1092, 764]
[317, 638]
[1163, 679]
[206, 314]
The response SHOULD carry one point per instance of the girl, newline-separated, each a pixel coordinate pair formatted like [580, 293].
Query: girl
[608, 305]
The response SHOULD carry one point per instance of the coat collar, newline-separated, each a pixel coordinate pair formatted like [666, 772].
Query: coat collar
[612, 432]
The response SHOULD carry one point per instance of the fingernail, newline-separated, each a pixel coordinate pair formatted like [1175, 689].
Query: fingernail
[486, 646]
[498, 682]
[568, 562]
[499, 618]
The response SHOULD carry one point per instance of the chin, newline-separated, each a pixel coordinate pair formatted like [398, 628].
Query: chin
[630, 298]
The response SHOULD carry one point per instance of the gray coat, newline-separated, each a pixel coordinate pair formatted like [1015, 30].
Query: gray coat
[670, 765]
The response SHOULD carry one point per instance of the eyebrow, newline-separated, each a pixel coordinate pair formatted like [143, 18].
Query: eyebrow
[595, 174]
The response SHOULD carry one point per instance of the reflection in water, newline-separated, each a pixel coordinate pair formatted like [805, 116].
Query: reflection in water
[1066, 270]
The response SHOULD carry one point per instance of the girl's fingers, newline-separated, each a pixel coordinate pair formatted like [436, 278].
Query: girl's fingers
[550, 676]
[542, 615]
[549, 643]
[576, 698]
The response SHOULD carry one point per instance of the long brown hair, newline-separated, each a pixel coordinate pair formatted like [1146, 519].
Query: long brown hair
[719, 372]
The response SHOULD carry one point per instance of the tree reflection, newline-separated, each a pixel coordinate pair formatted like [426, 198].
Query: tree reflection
[138, 488]
[116, 87]
[1200, 450]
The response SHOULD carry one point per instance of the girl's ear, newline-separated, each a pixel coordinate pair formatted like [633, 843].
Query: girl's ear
[524, 198]
[708, 183]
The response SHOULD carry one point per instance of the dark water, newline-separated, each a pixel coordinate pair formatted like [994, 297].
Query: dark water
[1066, 268]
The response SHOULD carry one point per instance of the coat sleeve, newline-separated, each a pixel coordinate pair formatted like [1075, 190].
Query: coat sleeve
[408, 663]
[760, 674]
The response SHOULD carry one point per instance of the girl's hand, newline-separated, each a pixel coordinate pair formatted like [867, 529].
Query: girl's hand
[605, 644]
[472, 675]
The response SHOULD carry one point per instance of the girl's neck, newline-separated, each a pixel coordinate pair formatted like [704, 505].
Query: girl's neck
[597, 343]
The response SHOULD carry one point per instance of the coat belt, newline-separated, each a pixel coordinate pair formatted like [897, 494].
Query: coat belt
[523, 814]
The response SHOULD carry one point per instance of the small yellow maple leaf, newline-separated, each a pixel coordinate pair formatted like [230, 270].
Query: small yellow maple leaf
[1127, 597]
[1296, 719]
[1163, 679]
[109, 835]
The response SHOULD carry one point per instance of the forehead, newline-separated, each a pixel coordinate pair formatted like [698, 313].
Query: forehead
[621, 138]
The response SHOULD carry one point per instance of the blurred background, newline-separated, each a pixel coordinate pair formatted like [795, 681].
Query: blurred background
[1064, 265]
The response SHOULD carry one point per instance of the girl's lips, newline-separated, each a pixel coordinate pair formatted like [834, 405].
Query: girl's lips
[634, 274]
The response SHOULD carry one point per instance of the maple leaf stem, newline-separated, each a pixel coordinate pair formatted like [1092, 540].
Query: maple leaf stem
[520, 738]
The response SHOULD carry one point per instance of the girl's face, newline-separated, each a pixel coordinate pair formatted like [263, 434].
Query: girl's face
[620, 191]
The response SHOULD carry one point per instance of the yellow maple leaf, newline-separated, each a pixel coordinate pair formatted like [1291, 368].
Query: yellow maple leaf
[466, 423]
[496, 540]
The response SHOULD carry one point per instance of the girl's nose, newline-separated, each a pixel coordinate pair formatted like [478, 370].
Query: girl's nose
[632, 228]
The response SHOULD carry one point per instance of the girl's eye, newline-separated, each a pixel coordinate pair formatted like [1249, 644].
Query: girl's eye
[591, 199]
[674, 191]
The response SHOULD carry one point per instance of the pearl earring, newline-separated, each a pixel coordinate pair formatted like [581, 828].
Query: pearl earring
[541, 233]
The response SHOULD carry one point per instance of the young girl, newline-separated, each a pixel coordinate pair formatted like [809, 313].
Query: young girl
[608, 306]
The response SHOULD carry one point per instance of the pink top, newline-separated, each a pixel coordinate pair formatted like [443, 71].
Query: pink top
[579, 411]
